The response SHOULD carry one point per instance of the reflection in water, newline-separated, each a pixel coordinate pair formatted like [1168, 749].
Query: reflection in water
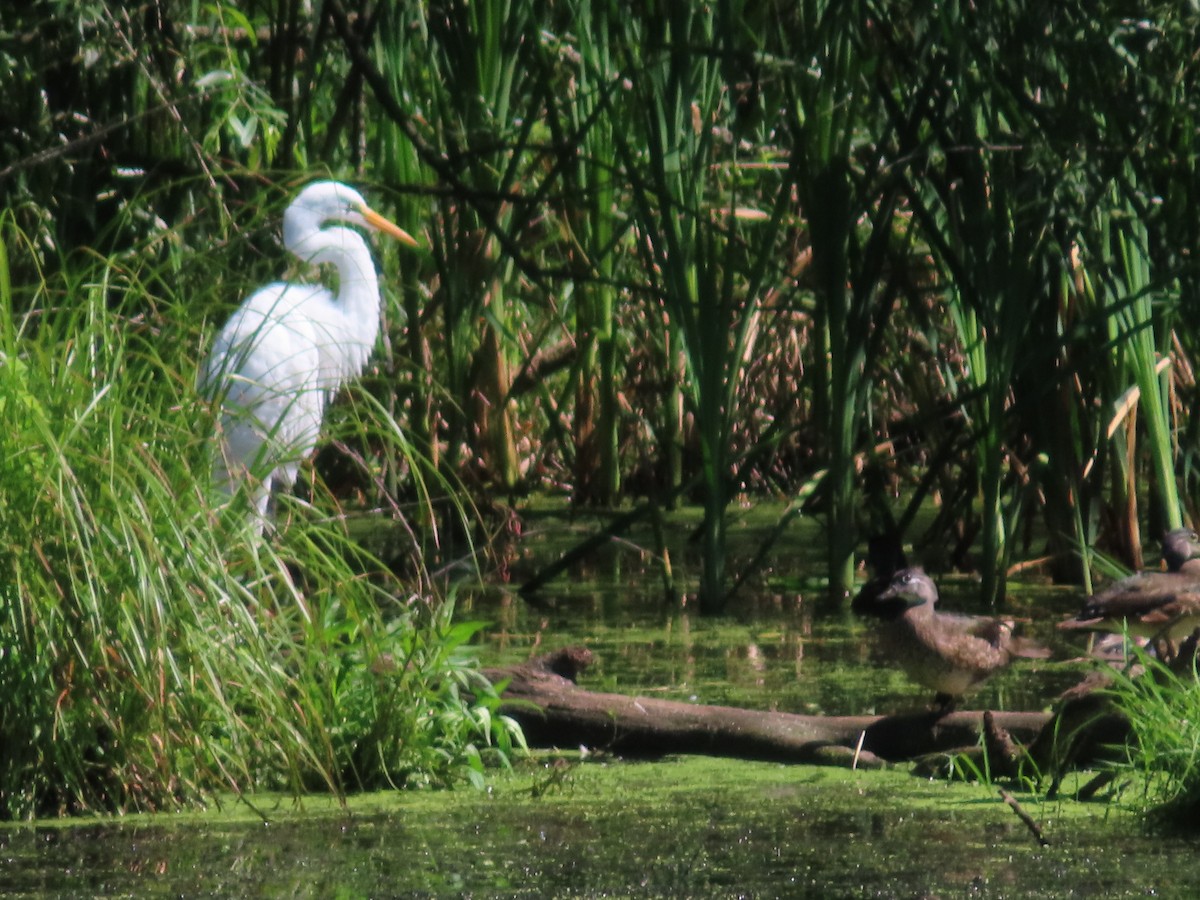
[780, 646]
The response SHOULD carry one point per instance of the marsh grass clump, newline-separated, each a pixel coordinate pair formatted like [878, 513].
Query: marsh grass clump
[1163, 708]
[154, 650]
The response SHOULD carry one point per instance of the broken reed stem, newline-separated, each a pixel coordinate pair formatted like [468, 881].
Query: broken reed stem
[1024, 817]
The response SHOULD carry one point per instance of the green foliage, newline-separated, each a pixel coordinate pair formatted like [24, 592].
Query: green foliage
[1162, 705]
[155, 651]
[850, 210]
[727, 247]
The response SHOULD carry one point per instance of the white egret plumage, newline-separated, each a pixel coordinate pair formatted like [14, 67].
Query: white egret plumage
[289, 347]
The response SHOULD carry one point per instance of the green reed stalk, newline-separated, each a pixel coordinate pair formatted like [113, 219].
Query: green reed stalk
[668, 153]
[828, 121]
[705, 265]
[985, 204]
[597, 229]
[479, 92]
[1140, 341]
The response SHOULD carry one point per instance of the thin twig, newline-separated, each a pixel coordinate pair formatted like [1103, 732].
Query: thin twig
[1024, 817]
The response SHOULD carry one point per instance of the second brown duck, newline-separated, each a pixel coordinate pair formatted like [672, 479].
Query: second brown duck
[1157, 605]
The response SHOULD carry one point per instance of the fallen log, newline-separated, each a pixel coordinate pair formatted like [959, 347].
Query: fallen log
[554, 711]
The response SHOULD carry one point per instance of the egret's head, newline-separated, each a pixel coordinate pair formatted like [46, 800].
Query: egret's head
[331, 201]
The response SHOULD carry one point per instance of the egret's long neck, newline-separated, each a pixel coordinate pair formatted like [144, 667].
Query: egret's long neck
[358, 283]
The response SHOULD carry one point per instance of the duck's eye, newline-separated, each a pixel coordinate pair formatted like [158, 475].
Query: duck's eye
[906, 578]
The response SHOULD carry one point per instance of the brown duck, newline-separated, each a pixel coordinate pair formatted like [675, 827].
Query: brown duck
[1159, 605]
[947, 652]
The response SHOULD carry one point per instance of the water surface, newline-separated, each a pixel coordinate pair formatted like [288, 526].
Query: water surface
[686, 827]
[781, 645]
[678, 827]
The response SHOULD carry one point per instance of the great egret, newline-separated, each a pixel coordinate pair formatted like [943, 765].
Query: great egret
[946, 652]
[289, 347]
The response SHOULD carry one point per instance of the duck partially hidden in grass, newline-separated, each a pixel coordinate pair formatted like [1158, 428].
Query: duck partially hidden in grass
[1161, 606]
[947, 652]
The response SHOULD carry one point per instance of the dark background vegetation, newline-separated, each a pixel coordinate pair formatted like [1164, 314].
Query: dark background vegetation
[866, 254]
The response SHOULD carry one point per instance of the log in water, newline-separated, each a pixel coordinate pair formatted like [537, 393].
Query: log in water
[554, 711]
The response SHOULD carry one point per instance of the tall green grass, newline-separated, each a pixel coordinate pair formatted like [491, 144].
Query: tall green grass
[1162, 706]
[596, 232]
[1141, 341]
[849, 208]
[477, 93]
[708, 224]
[156, 653]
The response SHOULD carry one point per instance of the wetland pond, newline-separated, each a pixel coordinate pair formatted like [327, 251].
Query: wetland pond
[588, 825]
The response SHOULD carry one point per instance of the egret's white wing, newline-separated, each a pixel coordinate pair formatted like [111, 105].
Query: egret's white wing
[265, 367]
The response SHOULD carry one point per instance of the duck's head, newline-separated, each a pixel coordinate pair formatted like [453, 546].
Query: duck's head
[1179, 546]
[908, 589]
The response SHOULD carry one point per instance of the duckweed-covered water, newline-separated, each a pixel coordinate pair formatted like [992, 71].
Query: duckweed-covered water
[689, 827]
[593, 826]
